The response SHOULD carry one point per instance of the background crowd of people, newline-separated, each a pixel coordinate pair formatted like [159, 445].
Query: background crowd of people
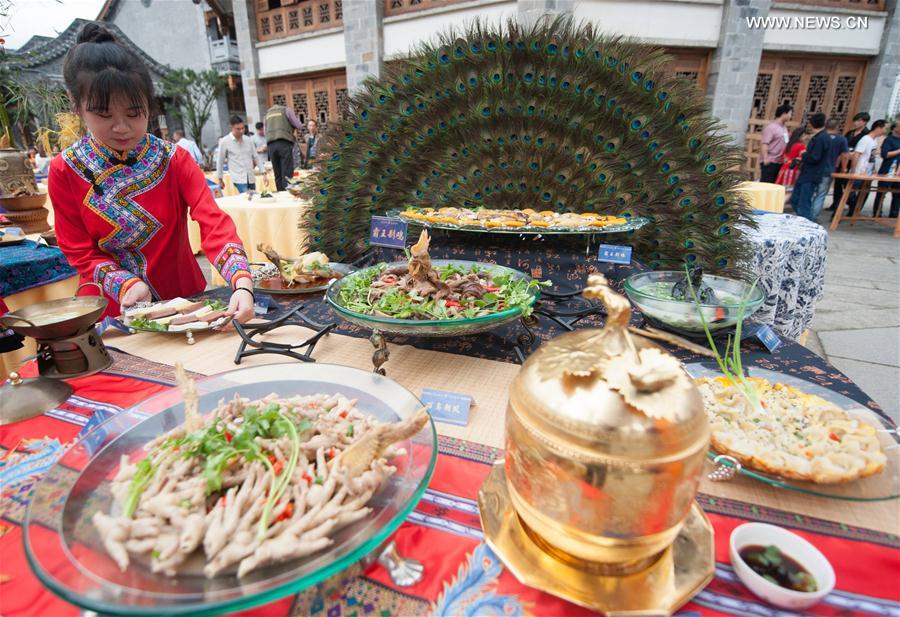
[804, 160]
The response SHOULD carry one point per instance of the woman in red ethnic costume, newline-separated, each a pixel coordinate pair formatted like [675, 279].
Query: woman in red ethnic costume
[121, 196]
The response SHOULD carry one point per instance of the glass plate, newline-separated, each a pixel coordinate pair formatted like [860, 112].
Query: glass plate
[634, 222]
[430, 327]
[65, 552]
[879, 487]
[343, 269]
[212, 326]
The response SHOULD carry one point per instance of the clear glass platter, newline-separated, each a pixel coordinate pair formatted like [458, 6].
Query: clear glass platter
[66, 554]
[879, 487]
[430, 327]
[342, 269]
[634, 222]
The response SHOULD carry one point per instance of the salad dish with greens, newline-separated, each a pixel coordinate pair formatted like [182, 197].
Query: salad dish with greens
[420, 291]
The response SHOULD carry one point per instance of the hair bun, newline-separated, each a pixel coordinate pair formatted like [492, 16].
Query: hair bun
[92, 32]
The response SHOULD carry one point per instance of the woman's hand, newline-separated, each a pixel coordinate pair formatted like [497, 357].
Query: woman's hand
[241, 304]
[139, 292]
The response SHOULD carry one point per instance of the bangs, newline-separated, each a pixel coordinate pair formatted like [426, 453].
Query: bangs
[114, 85]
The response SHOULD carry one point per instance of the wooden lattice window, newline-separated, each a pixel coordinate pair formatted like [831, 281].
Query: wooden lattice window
[811, 84]
[343, 103]
[843, 97]
[399, 7]
[789, 90]
[761, 95]
[296, 18]
[298, 99]
[692, 64]
[323, 98]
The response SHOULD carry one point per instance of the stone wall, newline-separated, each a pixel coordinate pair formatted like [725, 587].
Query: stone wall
[884, 69]
[363, 41]
[735, 64]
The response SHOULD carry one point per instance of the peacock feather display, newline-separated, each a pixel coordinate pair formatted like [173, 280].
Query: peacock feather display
[550, 116]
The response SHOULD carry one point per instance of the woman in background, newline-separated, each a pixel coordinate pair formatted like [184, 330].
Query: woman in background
[793, 154]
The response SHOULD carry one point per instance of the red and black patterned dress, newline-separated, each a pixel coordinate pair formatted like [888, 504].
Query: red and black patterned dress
[121, 218]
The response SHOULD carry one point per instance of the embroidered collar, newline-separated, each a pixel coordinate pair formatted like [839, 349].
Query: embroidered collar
[115, 182]
[129, 158]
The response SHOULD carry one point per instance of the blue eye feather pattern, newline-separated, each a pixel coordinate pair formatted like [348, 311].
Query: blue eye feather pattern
[550, 116]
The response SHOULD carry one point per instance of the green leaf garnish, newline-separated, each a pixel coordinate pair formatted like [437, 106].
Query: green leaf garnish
[730, 364]
[142, 477]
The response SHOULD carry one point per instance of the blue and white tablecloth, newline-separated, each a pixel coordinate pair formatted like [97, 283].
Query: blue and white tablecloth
[789, 258]
[29, 264]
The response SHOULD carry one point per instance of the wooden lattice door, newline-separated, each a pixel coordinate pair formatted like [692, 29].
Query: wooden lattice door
[811, 84]
[322, 98]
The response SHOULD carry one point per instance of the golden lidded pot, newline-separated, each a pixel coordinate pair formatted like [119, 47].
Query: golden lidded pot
[606, 438]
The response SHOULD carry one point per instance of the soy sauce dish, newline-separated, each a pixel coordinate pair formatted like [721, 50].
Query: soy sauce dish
[770, 560]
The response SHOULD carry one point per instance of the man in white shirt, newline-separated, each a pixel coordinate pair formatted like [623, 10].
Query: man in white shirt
[259, 140]
[183, 142]
[862, 160]
[240, 153]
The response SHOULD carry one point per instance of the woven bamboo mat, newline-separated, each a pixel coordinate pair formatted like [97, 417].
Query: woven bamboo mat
[487, 381]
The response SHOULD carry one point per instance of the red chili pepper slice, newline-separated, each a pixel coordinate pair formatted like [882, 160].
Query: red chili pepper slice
[307, 477]
[287, 513]
[390, 278]
[452, 303]
[277, 467]
[271, 458]
[834, 437]
[228, 436]
[331, 453]
[492, 289]
[343, 414]
[720, 313]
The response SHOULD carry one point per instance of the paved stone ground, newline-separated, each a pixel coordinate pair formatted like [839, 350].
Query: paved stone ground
[857, 323]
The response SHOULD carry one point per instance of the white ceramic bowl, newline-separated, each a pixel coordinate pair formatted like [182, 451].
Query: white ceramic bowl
[790, 544]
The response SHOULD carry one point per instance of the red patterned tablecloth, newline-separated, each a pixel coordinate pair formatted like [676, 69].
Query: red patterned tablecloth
[463, 576]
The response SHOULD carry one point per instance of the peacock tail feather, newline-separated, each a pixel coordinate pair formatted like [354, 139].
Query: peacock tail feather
[549, 116]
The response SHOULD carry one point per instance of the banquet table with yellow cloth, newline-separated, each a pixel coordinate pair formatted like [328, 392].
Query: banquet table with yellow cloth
[763, 196]
[274, 220]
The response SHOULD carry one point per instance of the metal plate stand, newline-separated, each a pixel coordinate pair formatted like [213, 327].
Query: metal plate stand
[553, 307]
[299, 351]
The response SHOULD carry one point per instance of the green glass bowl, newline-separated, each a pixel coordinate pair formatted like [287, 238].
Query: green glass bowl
[65, 552]
[643, 289]
[429, 327]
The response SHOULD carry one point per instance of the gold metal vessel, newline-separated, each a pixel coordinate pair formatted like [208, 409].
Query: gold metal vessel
[605, 442]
